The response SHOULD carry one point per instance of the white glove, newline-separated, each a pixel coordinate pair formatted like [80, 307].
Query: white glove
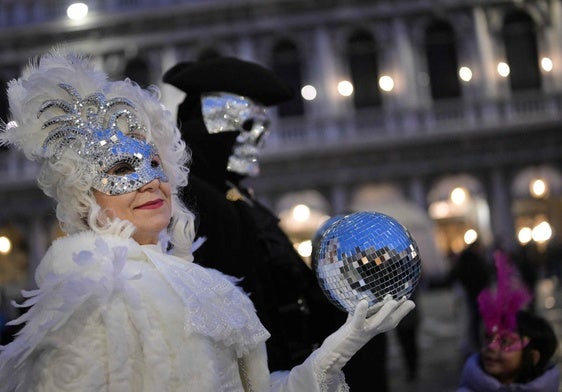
[321, 372]
[339, 347]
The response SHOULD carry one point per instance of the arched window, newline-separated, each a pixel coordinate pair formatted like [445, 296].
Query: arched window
[441, 52]
[286, 63]
[362, 57]
[519, 38]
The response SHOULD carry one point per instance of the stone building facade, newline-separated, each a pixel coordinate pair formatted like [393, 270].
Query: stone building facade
[449, 116]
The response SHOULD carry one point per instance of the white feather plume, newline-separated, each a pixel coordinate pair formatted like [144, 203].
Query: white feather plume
[39, 83]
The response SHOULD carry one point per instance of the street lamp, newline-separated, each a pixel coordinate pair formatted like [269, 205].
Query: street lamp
[308, 92]
[465, 74]
[546, 64]
[538, 188]
[458, 195]
[77, 11]
[345, 88]
[470, 236]
[386, 83]
[5, 245]
[503, 69]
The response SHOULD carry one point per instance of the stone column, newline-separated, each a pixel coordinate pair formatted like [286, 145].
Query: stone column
[245, 50]
[324, 72]
[552, 46]
[171, 96]
[488, 79]
[499, 200]
[339, 199]
[408, 88]
[418, 193]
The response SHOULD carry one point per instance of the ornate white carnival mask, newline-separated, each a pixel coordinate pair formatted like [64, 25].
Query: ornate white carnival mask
[93, 127]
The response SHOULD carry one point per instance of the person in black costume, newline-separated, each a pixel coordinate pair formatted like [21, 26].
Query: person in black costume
[474, 274]
[242, 237]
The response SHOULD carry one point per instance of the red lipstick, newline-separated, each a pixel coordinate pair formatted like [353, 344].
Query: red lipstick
[151, 205]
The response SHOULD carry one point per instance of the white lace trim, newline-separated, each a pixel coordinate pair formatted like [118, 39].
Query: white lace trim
[332, 383]
[329, 380]
[215, 306]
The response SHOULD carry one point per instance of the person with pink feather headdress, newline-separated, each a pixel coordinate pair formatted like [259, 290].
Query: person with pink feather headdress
[519, 345]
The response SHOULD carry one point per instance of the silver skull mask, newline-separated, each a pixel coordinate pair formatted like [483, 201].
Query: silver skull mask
[225, 112]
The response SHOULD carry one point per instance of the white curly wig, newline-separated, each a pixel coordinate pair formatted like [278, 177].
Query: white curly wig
[68, 178]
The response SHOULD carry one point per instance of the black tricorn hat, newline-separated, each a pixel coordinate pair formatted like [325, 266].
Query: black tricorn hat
[229, 74]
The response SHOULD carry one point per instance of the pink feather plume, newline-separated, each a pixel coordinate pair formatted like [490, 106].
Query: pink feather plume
[499, 307]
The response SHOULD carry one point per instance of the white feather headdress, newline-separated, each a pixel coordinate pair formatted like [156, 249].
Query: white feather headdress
[39, 84]
[46, 86]
[40, 102]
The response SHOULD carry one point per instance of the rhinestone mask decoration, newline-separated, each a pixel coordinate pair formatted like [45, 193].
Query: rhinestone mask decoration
[366, 255]
[224, 112]
[91, 127]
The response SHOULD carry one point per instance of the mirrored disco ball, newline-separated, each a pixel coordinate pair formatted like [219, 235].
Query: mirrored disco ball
[318, 236]
[366, 255]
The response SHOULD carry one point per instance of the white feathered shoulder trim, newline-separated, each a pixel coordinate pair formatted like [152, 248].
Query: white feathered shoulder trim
[214, 305]
[87, 266]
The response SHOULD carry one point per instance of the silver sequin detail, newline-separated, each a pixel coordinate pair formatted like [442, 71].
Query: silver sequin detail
[106, 133]
[225, 112]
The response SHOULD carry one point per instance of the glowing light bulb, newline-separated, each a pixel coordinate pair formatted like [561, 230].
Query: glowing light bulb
[345, 88]
[546, 64]
[308, 92]
[386, 83]
[542, 232]
[538, 188]
[465, 74]
[525, 235]
[304, 249]
[301, 213]
[77, 11]
[5, 245]
[503, 69]
[470, 236]
[458, 195]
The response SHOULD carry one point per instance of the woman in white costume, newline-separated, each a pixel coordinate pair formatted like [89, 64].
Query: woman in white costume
[119, 305]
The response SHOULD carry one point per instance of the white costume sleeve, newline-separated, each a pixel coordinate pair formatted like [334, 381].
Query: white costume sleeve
[70, 359]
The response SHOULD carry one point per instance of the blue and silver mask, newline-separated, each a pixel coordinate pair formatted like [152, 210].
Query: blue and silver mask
[121, 162]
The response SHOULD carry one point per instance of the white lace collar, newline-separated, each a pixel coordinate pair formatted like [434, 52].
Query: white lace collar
[214, 305]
